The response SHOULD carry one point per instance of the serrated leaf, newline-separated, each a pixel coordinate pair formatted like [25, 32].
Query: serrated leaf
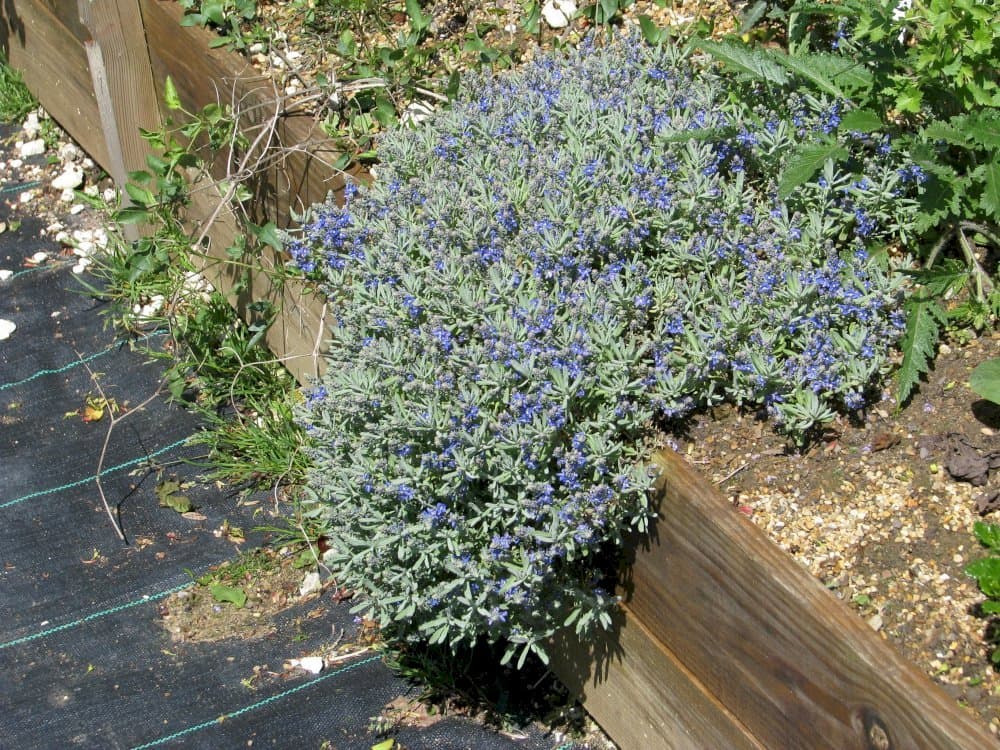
[945, 131]
[805, 163]
[235, 596]
[923, 329]
[860, 121]
[985, 381]
[752, 61]
[142, 196]
[834, 74]
[989, 176]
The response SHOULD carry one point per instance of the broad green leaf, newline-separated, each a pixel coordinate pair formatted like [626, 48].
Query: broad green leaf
[752, 61]
[418, 21]
[650, 31]
[269, 235]
[947, 132]
[985, 380]
[170, 96]
[988, 534]
[235, 596]
[140, 195]
[860, 121]
[131, 215]
[805, 163]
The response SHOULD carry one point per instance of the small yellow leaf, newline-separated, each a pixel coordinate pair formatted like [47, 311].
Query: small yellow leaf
[387, 745]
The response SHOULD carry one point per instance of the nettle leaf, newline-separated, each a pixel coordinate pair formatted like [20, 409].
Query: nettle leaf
[983, 127]
[833, 74]
[750, 60]
[803, 165]
[924, 319]
[947, 132]
[989, 175]
[985, 380]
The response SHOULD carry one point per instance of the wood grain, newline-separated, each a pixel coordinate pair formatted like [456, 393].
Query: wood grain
[297, 337]
[123, 81]
[640, 694]
[790, 661]
[300, 155]
[51, 57]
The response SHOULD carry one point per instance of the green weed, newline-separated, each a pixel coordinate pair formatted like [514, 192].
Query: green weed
[15, 99]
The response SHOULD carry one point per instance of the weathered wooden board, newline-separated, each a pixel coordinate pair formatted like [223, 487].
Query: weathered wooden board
[122, 81]
[641, 695]
[300, 156]
[297, 337]
[792, 663]
[51, 56]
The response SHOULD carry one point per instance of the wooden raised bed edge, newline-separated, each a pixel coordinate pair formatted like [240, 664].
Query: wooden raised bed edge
[723, 640]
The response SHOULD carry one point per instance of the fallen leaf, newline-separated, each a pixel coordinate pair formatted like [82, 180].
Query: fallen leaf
[884, 440]
[235, 596]
[193, 516]
[386, 745]
[169, 496]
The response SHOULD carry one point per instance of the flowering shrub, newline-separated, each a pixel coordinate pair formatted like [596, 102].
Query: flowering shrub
[572, 252]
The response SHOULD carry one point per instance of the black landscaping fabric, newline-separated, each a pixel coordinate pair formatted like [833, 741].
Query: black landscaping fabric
[83, 660]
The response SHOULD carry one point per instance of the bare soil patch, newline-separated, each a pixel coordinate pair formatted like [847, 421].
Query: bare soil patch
[873, 511]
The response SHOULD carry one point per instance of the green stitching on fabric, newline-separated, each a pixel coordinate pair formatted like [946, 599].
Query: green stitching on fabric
[74, 363]
[95, 615]
[19, 187]
[109, 470]
[253, 706]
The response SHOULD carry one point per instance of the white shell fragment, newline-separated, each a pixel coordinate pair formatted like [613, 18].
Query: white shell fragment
[5, 273]
[40, 257]
[31, 148]
[69, 180]
[310, 584]
[7, 327]
[557, 13]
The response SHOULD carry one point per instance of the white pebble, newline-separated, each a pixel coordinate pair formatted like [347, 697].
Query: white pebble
[5, 273]
[67, 196]
[26, 196]
[557, 13]
[7, 327]
[68, 180]
[311, 664]
[31, 148]
[76, 208]
[40, 257]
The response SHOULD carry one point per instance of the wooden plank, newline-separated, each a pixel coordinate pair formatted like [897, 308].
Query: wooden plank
[123, 81]
[640, 694]
[789, 660]
[301, 172]
[297, 337]
[54, 64]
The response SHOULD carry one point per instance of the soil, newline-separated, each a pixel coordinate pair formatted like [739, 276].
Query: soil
[873, 510]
